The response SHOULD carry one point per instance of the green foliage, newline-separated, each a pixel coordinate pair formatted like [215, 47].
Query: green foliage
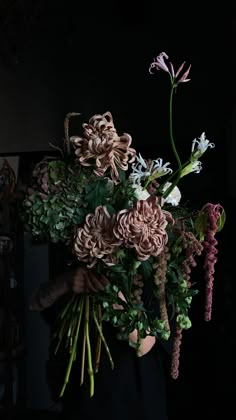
[201, 225]
[96, 193]
[52, 214]
[221, 221]
[146, 268]
[123, 195]
[129, 315]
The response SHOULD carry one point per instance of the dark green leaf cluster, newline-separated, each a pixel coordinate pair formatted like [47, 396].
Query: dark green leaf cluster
[52, 212]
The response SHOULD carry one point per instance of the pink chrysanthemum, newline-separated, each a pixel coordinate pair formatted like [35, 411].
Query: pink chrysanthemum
[95, 240]
[143, 227]
[102, 146]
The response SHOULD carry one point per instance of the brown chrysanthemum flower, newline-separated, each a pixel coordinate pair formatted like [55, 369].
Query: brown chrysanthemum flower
[102, 146]
[96, 240]
[143, 227]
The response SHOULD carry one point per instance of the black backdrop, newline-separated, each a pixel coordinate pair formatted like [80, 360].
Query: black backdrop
[95, 56]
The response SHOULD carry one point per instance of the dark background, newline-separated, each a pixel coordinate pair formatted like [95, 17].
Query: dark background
[94, 57]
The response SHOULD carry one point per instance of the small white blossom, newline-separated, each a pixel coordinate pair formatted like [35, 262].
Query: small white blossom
[174, 197]
[155, 170]
[202, 145]
[139, 170]
[141, 161]
[159, 169]
[195, 166]
[140, 193]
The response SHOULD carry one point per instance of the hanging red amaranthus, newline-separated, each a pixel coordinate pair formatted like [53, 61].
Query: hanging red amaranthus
[213, 212]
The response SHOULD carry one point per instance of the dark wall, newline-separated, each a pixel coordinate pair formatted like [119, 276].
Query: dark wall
[28, 109]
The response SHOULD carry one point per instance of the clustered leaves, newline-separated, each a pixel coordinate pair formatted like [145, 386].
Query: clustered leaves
[54, 202]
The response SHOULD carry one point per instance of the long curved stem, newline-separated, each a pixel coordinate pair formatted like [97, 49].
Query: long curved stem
[171, 129]
[168, 191]
[89, 355]
[99, 340]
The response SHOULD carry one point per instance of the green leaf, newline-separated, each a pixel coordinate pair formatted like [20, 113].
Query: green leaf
[96, 194]
[122, 175]
[78, 216]
[146, 268]
[221, 221]
[111, 210]
[174, 278]
[60, 225]
[56, 170]
[118, 268]
[177, 268]
[200, 225]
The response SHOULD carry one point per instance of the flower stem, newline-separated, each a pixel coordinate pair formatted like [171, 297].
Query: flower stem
[172, 176]
[67, 307]
[172, 186]
[66, 323]
[103, 339]
[99, 339]
[146, 183]
[83, 358]
[90, 365]
[74, 347]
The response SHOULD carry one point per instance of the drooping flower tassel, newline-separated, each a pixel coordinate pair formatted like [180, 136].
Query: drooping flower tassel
[213, 212]
[160, 279]
[193, 247]
[176, 353]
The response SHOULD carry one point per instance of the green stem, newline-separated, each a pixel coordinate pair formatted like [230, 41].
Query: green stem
[103, 339]
[90, 365]
[146, 184]
[171, 129]
[98, 353]
[83, 358]
[168, 191]
[70, 302]
[67, 319]
[174, 174]
[72, 356]
[177, 173]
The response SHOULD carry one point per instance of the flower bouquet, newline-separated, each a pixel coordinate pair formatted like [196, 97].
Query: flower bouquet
[120, 214]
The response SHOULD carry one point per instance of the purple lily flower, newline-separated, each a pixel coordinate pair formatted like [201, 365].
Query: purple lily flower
[160, 64]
